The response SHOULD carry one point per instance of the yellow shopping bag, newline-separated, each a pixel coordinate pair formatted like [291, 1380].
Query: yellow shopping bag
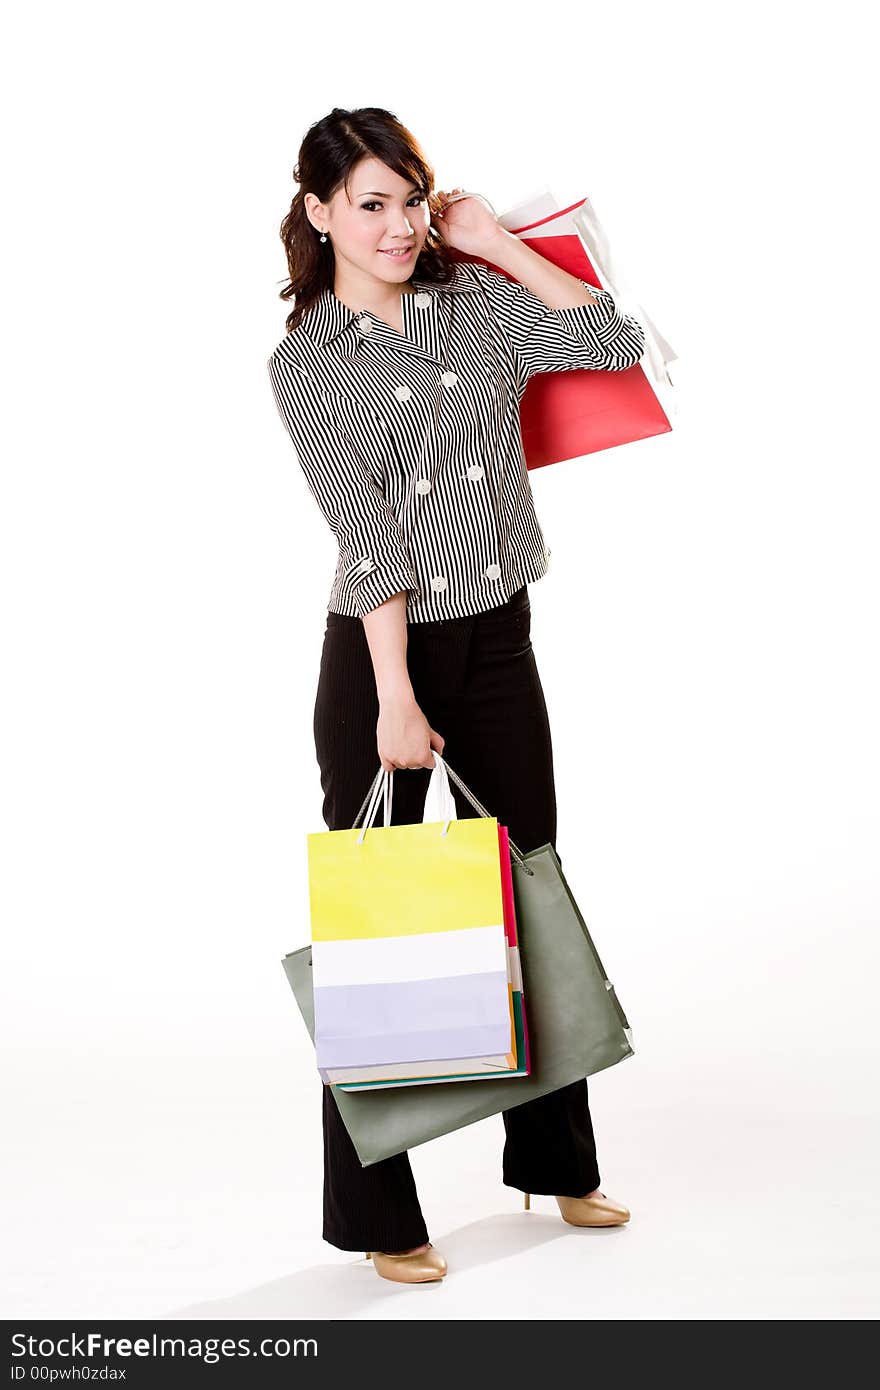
[409, 951]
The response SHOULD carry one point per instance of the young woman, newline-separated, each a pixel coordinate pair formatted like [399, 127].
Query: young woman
[399, 382]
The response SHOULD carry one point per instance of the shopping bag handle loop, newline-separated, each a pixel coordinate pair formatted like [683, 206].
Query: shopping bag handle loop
[382, 786]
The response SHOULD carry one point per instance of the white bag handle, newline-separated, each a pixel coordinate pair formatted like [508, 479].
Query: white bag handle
[439, 801]
[381, 787]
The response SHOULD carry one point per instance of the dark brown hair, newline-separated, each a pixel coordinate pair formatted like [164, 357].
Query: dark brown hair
[330, 150]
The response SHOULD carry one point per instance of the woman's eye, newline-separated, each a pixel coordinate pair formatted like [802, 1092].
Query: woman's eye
[417, 198]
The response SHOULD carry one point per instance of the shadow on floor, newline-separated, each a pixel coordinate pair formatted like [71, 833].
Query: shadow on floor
[338, 1291]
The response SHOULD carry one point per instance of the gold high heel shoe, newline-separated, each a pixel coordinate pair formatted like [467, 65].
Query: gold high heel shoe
[596, 1210]
[421, 1268]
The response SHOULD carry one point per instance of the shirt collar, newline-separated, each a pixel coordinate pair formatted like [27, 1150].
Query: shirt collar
[329, 321]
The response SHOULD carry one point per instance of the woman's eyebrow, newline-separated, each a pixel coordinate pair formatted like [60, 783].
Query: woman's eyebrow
[413, 188]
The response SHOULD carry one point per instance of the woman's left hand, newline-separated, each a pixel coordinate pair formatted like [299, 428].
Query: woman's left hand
[466, 225]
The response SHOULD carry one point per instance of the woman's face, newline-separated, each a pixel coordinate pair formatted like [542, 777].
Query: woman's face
[385, 214]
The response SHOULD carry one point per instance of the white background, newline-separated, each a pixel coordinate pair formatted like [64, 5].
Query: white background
[707, 638]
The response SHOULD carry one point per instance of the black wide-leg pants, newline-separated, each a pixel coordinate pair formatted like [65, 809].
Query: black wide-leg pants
[477, 683]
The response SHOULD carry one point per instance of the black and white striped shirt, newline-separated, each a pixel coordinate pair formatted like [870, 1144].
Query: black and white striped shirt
[411, 444]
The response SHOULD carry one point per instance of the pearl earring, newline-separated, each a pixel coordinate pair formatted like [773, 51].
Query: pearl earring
[323, 236]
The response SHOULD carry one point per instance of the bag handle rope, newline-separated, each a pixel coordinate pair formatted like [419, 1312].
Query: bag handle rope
[382, 786]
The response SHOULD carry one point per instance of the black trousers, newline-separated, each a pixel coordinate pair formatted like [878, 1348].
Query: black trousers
[477, 683]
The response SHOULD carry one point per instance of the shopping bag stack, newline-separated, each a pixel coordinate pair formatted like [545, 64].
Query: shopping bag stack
[576, 1024]
[415, 959]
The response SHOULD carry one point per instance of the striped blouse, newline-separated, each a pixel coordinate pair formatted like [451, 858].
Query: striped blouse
[410, 442]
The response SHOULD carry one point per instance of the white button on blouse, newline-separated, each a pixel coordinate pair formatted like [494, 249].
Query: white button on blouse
[422, 299]
[423, 485]
[449, 378]
[438, 583]
[365, 324]
[402, 393]
[493, 571]
[475, 472]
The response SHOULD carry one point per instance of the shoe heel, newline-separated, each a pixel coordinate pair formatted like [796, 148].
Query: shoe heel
[527, 1201]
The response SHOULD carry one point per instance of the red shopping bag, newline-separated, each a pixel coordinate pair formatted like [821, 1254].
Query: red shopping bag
[566, 415]
[523, 1056]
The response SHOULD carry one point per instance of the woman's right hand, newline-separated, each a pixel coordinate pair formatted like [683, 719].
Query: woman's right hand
[404, 737]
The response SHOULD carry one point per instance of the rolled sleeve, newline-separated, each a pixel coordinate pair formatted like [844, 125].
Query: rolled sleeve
[598, 336]
[374, 562]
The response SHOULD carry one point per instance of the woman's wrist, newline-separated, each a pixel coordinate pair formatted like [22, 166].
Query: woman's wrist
[395, 689]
